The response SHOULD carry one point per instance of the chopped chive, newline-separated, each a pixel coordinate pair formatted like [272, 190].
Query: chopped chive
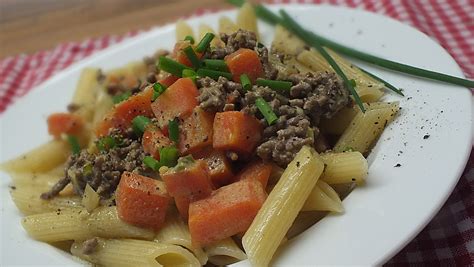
[193, 58]
[189, 38]
[204, 43]
[289, 23]
[169, 156]
[216, 64]
[187, 73]
[266, 110]
[270, 17]
[245, 81]
[139, 124]
[87, 169]
[353, 82]
[173, 130]
[74, 143]
[214, 74]
[158, 89]
[119, 98]
[152, 163]
[275, 85]
[171, 66]
[387, 84]
[105, 143]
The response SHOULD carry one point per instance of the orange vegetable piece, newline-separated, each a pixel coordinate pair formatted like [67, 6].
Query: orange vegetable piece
[64, 123]
[168, 80]
[153, 140]
[195, 131]
[122, 114]
[236, 131]
[245, 61]
[256, 170]
[189, 184]
[218, 165]
[228, 211]
[142, 201]
[178, 100]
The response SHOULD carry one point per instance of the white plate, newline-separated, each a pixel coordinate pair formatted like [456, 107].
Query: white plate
[380, 218]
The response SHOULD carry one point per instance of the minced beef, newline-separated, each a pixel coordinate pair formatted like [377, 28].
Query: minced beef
[101, 171]
[311, 97]
[89, 246]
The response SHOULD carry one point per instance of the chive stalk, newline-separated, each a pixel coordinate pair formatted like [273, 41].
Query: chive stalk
[152, 163]
[158, 89]
[267, 15]
[189, 38]
[169, 156]
[216, 64]
[245, 81]
[205, 42]
[281, 86]
[193, 58]
[266, 110]
[139, 124]
[171, 66]
[121, 97]
[173, 130]
[214, 74]
[291, 24]
[105, 143]
[74, 143]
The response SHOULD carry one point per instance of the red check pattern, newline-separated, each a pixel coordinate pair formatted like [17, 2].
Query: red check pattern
[448, 240]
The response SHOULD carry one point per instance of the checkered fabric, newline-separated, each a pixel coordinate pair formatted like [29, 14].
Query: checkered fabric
[448, 240]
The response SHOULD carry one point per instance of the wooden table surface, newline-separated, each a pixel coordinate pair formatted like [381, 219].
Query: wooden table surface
[27, 26]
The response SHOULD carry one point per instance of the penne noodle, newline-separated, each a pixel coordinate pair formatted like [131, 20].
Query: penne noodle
[246, 19]
[344, 167]
[86, 94]
[323, 198]
[365, 128]
[226, 25]
[182, 30]
[78, 224]
[282, 206]
[131, 253]
[41, 159]
[224, 252]
[176, 232]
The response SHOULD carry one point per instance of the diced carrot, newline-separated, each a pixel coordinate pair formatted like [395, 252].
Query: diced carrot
[228, 211]
[256, 170]
[123, 113]
[218, 165]
[142, 201]
[178, 100]
[168, 80]
[195, 131]
[236, 131]
[153, 140]
[188, 184]
[244, 61]
[64, 123]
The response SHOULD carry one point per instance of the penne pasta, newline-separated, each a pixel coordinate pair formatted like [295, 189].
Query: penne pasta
[226, 25]
[323, 198]
[282, 206]
[86, 94]
[78, 224]
[131, 253]
[246, 19]
[344, 167]
[41, 159]
[176, 232]
[224, 252]
[182, 30]
[365, 128]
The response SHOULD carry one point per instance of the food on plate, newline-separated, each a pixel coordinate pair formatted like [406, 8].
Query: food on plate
[182, 158]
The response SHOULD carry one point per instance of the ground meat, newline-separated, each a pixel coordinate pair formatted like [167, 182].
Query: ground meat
[269, 71]
[89, 246]
[101, 171]
[234, 41]
[214, 95]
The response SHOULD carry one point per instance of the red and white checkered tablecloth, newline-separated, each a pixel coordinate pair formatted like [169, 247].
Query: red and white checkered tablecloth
[448, 240]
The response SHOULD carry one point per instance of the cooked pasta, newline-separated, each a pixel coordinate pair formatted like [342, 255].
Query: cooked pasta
[226, 25]
[183, 30]
[344, 167]
[246, 19]
[131, 253]
[225, 252]
[323, 198]
[282, 206]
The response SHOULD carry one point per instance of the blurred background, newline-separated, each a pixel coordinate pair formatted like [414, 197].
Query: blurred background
[28, 26]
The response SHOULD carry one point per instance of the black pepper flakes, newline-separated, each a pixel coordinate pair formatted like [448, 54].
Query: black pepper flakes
[426, 136]
[397, 165]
